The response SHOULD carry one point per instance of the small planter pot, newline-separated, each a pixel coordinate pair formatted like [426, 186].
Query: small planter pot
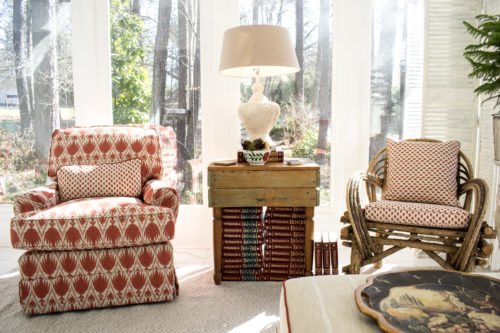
[496, 135]
[257, 157]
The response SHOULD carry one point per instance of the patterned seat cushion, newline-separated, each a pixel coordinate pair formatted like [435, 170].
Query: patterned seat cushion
[93, 223]
[54, 281]
[417, 214]
[422, 172]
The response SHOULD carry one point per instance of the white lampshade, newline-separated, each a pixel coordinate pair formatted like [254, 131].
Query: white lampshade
[257, 50]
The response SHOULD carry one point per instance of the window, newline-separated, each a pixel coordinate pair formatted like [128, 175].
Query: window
[36, 89]
[304, 126]
[155, 68]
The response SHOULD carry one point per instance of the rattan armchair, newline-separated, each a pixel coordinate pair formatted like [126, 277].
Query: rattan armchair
[371, 241]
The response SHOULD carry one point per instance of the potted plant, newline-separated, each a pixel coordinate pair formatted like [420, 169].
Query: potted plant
[484, 58]
[256, 152]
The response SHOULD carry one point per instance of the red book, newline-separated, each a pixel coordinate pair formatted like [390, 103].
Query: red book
[241, 241]
[326, 254]
[241, 223]
[239, 210]
[241, 260]
[245, 236]
[280, 215]
[279, 271]
[288, 247]
[241, 216]
[241, 266]
[237, 230]
[243, 248]
[318, 254]
[283, 253]
[284, 241]
[334, 252]
[285, 227]
[243, 271]
[274, 277]
[295, 234]
[239, 254]
[284, 265]
[230, 277]
[286, 209]
[295, 260]
[268, 221]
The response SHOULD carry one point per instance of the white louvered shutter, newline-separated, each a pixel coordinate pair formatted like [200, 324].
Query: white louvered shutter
[449, 104]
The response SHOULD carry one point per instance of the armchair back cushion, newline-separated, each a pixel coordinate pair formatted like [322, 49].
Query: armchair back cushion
[122, 179]
[424, 172]
[108, 144]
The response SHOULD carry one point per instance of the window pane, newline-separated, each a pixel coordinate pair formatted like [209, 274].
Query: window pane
[155, 59]
[396, 78]
[36, 89]
[304, 126]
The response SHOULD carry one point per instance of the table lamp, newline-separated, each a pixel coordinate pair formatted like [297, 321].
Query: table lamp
[258, 51]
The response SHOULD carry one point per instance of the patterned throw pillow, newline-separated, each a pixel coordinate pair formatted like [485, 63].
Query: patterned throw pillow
[122, 179]
[423, 172]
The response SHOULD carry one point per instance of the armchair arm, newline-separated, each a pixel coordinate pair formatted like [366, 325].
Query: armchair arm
[157, 193]
[355, 210]
[36, 199]
[478, 189]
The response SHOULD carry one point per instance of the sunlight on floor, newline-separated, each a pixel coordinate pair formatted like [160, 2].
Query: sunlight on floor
[5, 276]
[185, 273]
[256, 324]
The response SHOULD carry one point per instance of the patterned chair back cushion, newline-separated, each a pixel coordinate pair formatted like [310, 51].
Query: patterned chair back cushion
[111, 144]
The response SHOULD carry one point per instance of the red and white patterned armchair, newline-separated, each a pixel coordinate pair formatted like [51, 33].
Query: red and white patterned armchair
[100, 235]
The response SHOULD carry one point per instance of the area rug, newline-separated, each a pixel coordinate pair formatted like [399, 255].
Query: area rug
[201, 307]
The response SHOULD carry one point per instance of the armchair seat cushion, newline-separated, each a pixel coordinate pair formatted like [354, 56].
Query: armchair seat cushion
[93, 223]
[417, 214]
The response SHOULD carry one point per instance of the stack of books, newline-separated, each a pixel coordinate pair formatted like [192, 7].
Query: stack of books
[284, 239]
[326, 260]
[242, 237]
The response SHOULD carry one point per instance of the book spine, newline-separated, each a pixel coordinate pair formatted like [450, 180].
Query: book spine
[268, 221]
[286, 209]
[326, 258]
[283, 241]
[241, 241]
[228, 277]
[244, 271]
[279, 215]
[276, 259]
[241, 157]
[241, 266]
[243, 230]
[243, 255]
[240, 210]
[283, 253]
[256, 260]
[242, 216]
[287, 247]
[335, 257]
[245, 235]
[274, 277]
[295, 234]
[318, 258]
[278, 271]
[241, 223]
[285, 227]
[284, 265]
[242, 248]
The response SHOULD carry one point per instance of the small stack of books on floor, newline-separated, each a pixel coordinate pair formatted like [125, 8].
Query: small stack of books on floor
[326, 260]
[284, 232]
[242, 237]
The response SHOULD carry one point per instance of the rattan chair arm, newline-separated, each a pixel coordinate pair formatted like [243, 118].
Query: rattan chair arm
[478, 189]
[355, 211]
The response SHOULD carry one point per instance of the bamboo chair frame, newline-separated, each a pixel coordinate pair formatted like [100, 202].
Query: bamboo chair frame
[464, 248]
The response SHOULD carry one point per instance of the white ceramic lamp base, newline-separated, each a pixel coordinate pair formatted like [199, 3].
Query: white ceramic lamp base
[258, 115]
